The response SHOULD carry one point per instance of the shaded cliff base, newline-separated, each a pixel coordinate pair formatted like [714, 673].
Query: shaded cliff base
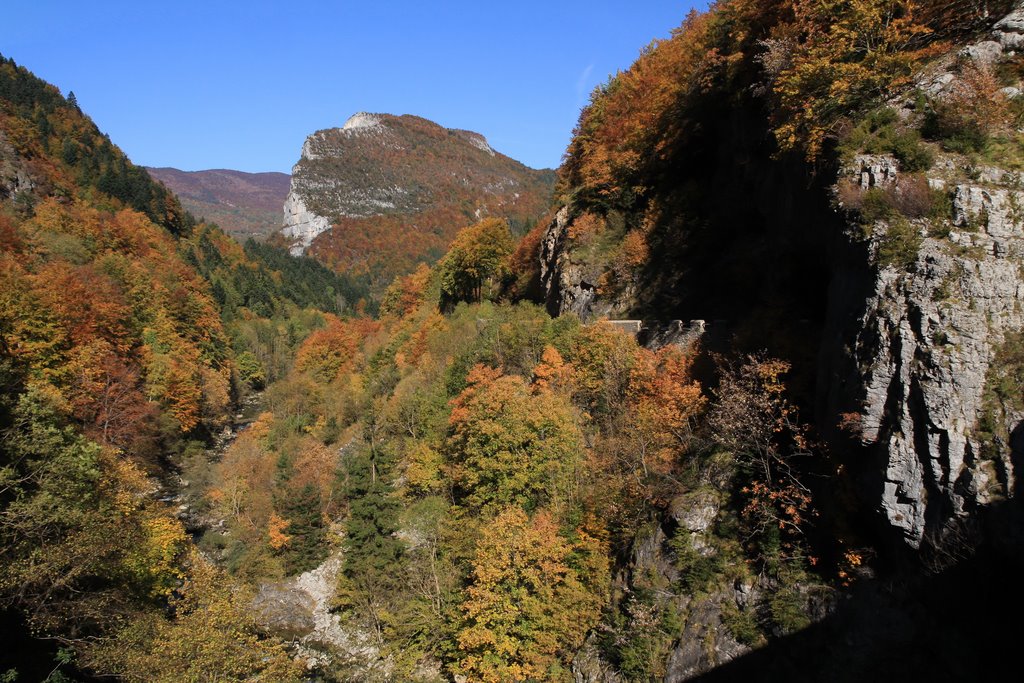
[959, 621]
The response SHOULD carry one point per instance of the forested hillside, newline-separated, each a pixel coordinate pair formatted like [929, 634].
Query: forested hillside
[244, 205]
[800, 465]
[128, 334]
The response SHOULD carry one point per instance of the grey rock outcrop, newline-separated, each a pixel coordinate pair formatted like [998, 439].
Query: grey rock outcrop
[589, 667]
[564, 287]
[426, 178]
[300, 224]
[14, 176]
[569, 286]
[285, 610]
[315, 196]
[695, 513]
[927, 337]
[875, 170]
[705, 642]
[985, 53]
[924, 341]
[1009, 31]
[299, 610]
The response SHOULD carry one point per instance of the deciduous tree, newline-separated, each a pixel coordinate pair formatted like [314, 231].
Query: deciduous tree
[475, 260]
[510, 447]
[534, 596]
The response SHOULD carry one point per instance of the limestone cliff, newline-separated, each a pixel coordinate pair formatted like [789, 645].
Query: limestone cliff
[917, 307]
[917, 356]
[300, 224]
[922, 348]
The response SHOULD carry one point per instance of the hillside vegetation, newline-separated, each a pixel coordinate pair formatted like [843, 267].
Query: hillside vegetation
[498, 484]
[244, 205]
[128, 334]
[741, 85]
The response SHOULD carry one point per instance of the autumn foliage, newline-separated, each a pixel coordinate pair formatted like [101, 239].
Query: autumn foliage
[529, 604]
[479, 471]
[476, 261]
[127, 323]
[328, 352]
[844, 57]
[447, 180]
[113, 361]
[755, 421]
[508, 446]
[815, 63]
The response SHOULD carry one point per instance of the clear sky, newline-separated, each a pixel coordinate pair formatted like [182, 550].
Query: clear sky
[220, 84]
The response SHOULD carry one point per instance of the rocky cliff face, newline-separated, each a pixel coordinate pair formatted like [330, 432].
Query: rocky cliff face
[906, 349]
[14, 176]
[919, 351]
[568, 286]
[322, 179]
[405, 183]
[924, 346]
[300, 224]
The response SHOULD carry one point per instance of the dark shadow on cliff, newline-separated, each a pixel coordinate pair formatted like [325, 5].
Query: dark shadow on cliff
[959, 622]
[740, 237]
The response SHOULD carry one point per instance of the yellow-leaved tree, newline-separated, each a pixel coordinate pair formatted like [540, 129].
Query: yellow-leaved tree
[475, 260]
[534, 596]
[838, 57]
[508, 446]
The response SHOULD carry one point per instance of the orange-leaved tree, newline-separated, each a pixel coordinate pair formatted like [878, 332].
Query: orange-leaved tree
[328, 352]
[754, 420]
[664, 402]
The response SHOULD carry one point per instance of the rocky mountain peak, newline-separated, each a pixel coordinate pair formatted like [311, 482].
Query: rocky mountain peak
[362, 121]
[383, 179]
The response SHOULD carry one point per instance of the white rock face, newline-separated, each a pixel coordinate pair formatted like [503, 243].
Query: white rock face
[380, 164]
[985, 53]
[319, 584]
[928, 335]
[876, 170]
[362, 121]
[300, 223]
[1010, 30]
[480, 142]
[927, 340]
[299, 610]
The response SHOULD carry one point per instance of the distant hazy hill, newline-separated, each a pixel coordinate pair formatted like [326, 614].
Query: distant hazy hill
[385, 192]
[243, 204]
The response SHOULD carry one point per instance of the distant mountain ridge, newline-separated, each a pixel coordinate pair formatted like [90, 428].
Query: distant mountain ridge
[243, 204]
[384, 192]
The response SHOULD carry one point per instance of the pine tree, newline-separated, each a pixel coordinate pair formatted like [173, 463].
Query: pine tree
[307, 546]
[370, 542]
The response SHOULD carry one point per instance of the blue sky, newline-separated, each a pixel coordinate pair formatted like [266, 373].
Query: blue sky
[239, 85]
